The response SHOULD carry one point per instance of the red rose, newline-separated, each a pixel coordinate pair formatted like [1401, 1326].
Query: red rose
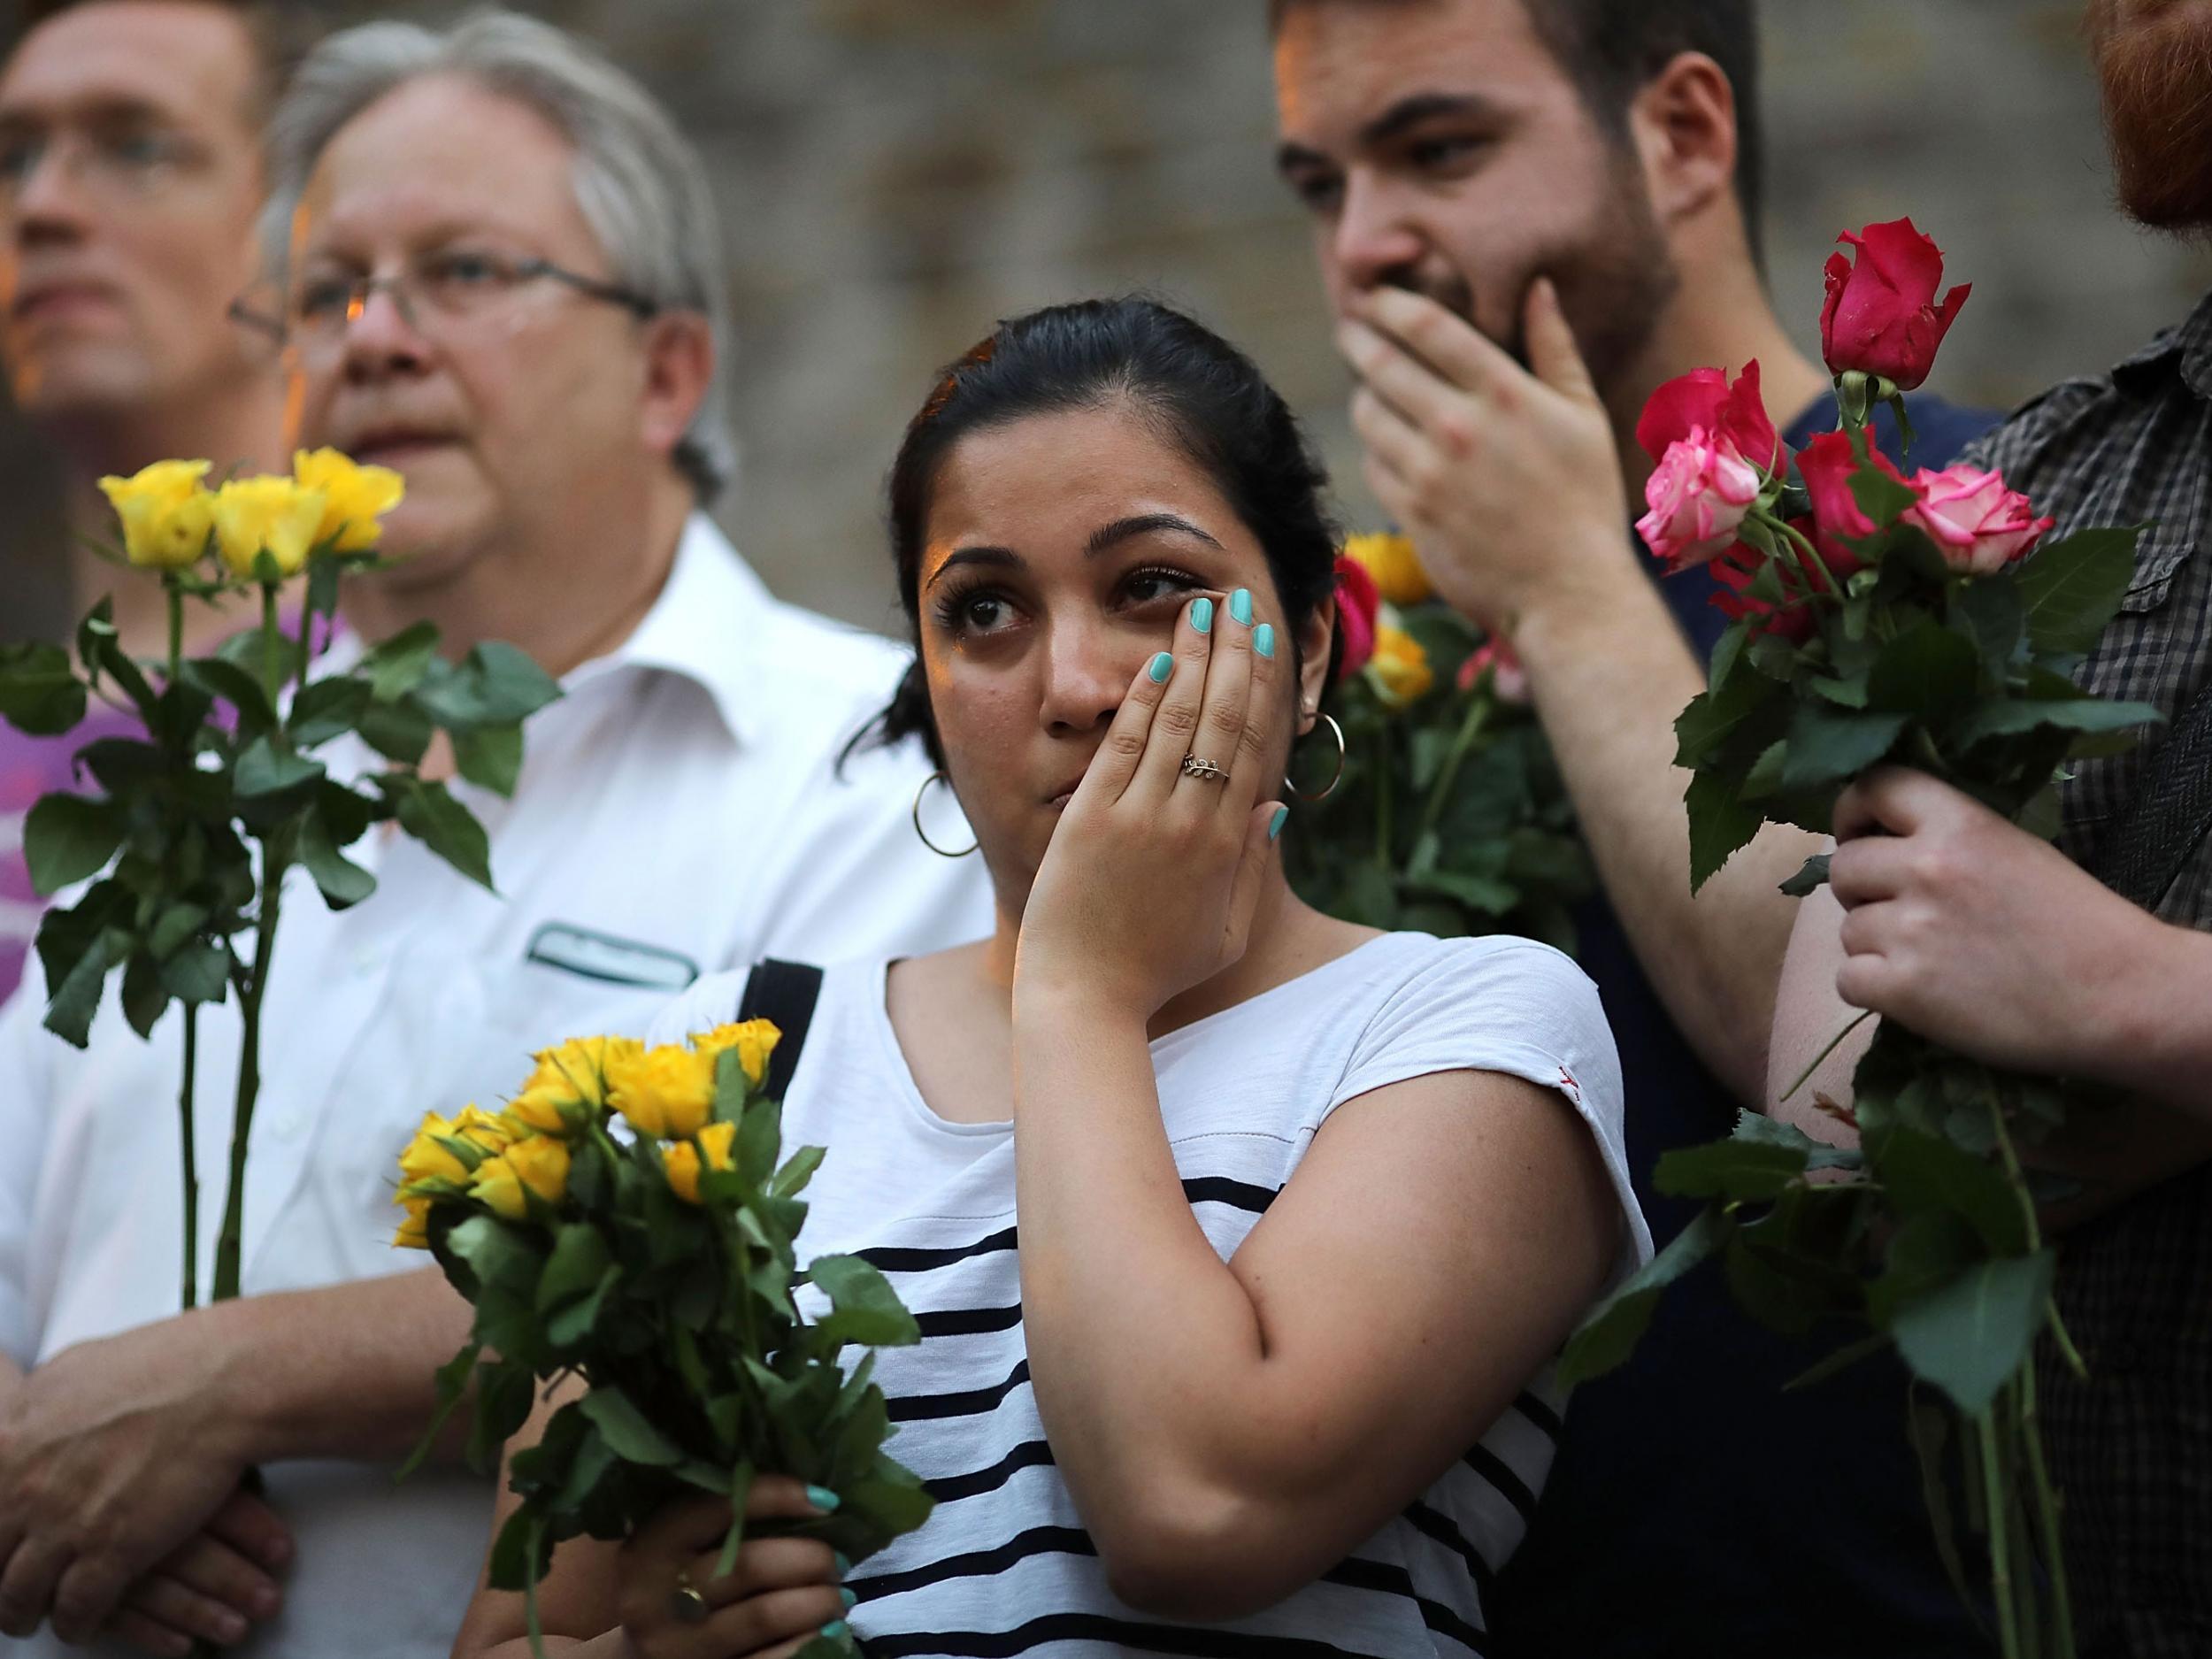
[1704, 400]
[1793, 620]
[1357, 601]
[1978, 523]
[1827, 465]
[1881, 317]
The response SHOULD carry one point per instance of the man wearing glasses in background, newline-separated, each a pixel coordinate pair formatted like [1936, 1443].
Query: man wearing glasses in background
[499, 279]
[130, 177]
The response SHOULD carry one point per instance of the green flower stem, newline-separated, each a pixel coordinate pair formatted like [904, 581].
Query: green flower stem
[1809, 563]
[2064, 1338]
[1384, 772]
[175, 595]
[191, 1159]
[1999, 1545]
[273, 863]
[2047, 1515]
[272, 635]
[1463, 745]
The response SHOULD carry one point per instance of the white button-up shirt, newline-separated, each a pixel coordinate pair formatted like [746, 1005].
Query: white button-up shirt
[681, 809]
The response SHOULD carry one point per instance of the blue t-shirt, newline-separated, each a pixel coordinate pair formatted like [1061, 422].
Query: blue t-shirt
[1695, 1509]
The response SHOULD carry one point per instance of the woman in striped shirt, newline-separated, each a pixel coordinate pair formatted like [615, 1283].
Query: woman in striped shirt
[1240, 1236]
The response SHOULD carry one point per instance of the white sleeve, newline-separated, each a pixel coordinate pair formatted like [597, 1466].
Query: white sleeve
[27, 1057]
[1511, 1006]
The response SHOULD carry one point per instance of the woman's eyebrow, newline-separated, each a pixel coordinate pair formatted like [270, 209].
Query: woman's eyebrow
[1141, 523]
[999, 558]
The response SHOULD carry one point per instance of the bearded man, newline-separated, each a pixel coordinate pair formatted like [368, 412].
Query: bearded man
[1529, 214]
[2092, 959]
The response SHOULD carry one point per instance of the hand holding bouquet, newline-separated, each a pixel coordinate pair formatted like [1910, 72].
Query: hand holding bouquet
[1918, 620]
[625, 1221]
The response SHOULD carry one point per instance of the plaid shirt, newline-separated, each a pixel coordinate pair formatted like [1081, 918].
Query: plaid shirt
[2133, 1445]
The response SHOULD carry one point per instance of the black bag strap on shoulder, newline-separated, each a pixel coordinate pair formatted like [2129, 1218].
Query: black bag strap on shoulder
[785, 993]
[2161, 829]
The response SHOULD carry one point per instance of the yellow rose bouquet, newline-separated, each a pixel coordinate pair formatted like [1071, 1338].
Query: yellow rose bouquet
[187, 836]
[1449, 815]
[626, 1220]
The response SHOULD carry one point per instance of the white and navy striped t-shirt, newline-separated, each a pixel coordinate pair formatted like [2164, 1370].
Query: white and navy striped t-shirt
[1004, 1566]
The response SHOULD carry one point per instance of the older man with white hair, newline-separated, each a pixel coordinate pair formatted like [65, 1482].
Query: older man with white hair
[497, 277]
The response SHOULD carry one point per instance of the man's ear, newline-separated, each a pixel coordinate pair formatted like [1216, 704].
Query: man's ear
[1315, 639]
[1683, 125]
[679, 376]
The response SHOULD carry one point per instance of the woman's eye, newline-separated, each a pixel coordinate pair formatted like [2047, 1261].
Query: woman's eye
[1145, 587]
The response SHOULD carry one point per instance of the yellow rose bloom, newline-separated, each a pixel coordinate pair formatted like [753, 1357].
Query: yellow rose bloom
[681, 1162]
[354, 497]
[499, 1189]
[270, 515]
[666, 1092]
[754, 1041]
[414, 1232]
[166, 513]
[1390, 561]
[1399, 669]
[484, 1128]
[427, 1159]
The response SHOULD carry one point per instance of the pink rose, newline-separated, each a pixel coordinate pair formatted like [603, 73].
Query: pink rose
[1881, 317]
[1979, 525]
[1357, 602]
[1509, 680]
[1705, 400]
[1698, 494]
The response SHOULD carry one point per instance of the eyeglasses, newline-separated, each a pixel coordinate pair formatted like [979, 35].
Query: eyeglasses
[432, 294]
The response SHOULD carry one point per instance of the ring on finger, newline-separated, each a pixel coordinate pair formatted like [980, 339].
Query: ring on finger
[685, 1605]
[1204, 770]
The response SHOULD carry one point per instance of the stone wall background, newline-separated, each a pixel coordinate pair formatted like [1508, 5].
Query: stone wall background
[895, 175]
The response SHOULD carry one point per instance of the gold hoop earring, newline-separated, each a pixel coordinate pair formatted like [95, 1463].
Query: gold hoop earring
[1336, 777]
[935, 777]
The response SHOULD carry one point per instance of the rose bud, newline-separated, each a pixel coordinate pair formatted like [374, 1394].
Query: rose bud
[1358, 601]
[1881, 316]
[1509, 680]
[1978, 523]
[1827, 465]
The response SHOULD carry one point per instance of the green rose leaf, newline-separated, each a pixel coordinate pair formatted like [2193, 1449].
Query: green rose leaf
[144, 997]
[628, 1433]
[1828, 746]
[397, 667]
[1925, 1172]
[39, 693]
[67, 838]
[199, 973]
[863, 1308]
[266, 772]
[579, 1258]
[2088, 715]
[1721, 824]
[327, 709]
[1991, 614]
[1751, 1171]
[222, 678]
[429, 813]
[1810, 878]
[2072, 590]
[1609, 1335]
[342, 882]
[398, 731]
[1969, 1336]
[489, 756]
[1926, 672]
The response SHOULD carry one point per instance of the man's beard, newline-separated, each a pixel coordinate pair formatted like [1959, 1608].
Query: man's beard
[1614, 279]
[2155, 66]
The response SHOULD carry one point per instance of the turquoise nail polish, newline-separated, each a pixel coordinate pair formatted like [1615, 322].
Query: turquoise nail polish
[1162, 665]
[1263, 639]
[1202, 616]
[822, 1498]
[835, 1631]
[1275, 825]
[849, 1599]
[844, 1566]
[1241, 605]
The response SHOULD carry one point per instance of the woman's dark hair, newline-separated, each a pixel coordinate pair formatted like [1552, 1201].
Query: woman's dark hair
[1204, 395]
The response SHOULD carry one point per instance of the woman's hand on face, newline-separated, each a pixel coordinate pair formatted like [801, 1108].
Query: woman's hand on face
[780, 1595]
[1150, 881]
